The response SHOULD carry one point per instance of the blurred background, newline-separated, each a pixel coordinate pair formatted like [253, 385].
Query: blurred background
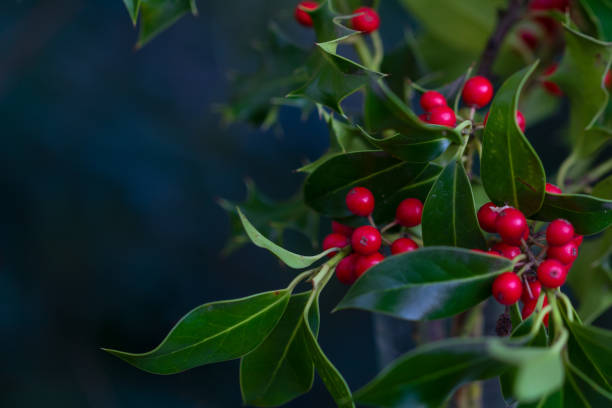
[111, 163]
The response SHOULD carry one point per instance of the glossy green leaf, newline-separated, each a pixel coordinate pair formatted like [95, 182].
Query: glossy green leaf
[511, 170]
[325, 189]
[133, 8]
[588, 214]
[289, 258]
[594, 139]
[578, 391]
[580, 75]
[327, 22]
[158, 15]
[600, 13]
[603, 189]
[449, 216]
[271, 218]
[213, 332]
[430, 283]
[281, 369]
[331, 377]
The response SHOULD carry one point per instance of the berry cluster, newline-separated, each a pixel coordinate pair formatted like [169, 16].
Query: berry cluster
[365, 20]
[436, 110]
[548, 254]
[367, 241]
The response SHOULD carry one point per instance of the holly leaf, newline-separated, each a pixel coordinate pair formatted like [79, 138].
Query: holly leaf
[281, 369]
[133, 7]
[600, 14]
[589, 215]
[511, 171]
[449, 216]
[213, 332]
[290, 259]
[603, 189]
[427, 284]
[580, 75]
[269, 217]
[378, 171]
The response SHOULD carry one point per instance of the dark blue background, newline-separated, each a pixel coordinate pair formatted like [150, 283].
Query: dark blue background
[110, 164]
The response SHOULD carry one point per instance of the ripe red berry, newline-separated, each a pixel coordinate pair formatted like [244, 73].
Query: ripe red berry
[507, 288]
[552, 273]
[511, 225]
[520, 120]
[402, 245]
[559, 232]
[487, 217]
[566, 254]
[342, 229]
[367, 20]
[492, 252]
[365, 262]
[360, 201]
[366, 240]
[432, 99]
[334, 240]
[530, 306]
[443, 116]
[345, 270]
[548, 5]
[551, 188]
[303, 17]
[578, 240]
[535, 288]
[409, 212]
[477, 91]
[608, 79]
[550, 86]
[507, 251]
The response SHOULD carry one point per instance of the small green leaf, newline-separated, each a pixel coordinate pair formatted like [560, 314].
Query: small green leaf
[588, 214]
[213, 332]
[290, 259]
[449, 216]
[158, 15]
[280, 369]
[603, 189]
[133, 7]
[511, 170]
[378, 171]
[430, 283]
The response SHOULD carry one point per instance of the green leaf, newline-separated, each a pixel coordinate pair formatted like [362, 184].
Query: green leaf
[281, 369]
[594, 139]
[378, 171]
[449, 216]
[580, 75]
[334, 77]
[603, 189]
[430, 283]
[511, 170]
[270, 218]
[290, 259]
[600, 13]
[588, 214]
[331, 377]
[157, 15]
[213, 332]
[133, 7]
[579, 392]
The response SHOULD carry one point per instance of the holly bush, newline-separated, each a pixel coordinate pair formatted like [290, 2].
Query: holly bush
[438, 202]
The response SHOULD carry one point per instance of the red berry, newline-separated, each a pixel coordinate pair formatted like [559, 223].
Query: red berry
[303, 17]
[423, 117]
[345, 270]
[402, 245]
[551, 188]
[487, 217]
[334, 240]
[559, 232]
[367, 20]
[535, 288]
[550, 86]
[511, 225]
[409, 212]
[520, 120]
[566, 254]
[342, 229]
[529, 38]
[507, 251]
[477, 91]
[608, 79]
[507, 288]
[578, 240]
[552, 273]
[548, 5]
[530, 306]
[360, 201]
[478, 250]
[365, 262]
[366, 240]
[443, 116]
[432, 99]
[492, 252]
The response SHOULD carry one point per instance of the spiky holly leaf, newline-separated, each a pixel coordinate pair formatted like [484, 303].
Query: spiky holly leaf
[157, 15]
[269, 217]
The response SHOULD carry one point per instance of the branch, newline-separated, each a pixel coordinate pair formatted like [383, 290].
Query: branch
[505, 21]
